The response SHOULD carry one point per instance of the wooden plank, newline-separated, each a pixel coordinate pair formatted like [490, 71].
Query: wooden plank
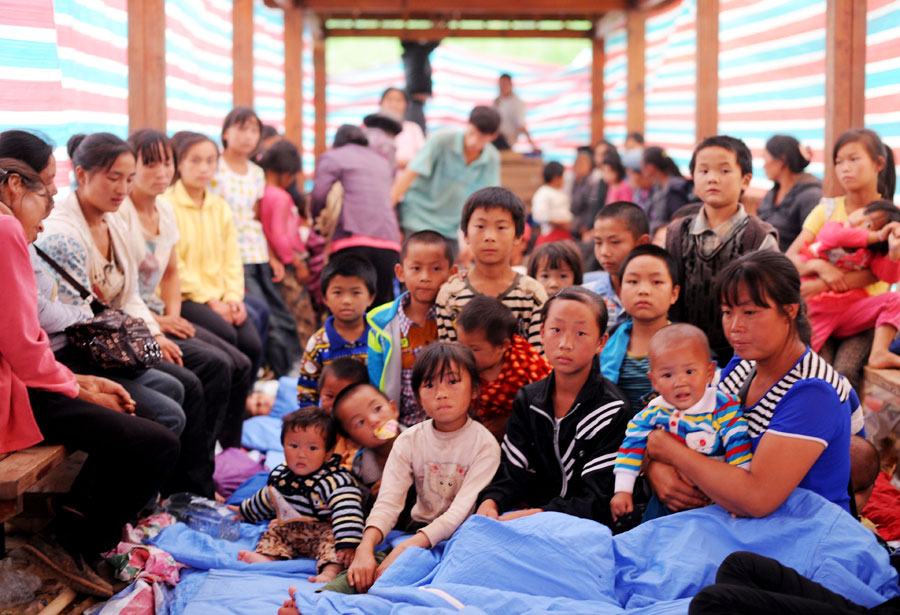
[598, 61]
[8, 510]
[24, 468]
[466, 9]
[707, 82]
[293, 76]
[319, 78]
[885, 379]
[439, 33]
[242, 52]
[636, 57]
[845, 75]
[146, 64]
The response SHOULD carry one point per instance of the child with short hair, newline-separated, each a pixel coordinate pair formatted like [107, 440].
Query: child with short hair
[703, 244]
[348, 285]
[550, 206]
[618, 228]
[315, 504]
[492, 220]
[557, 265]
[649, 288]
[688, 407]
[505, 361]
[562, 437]
[338, 375]
[449, 457]
[242, 184]
[367, 418]
[401, 329]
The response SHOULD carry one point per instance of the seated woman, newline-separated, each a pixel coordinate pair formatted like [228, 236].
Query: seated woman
[798, 408]
[129, 458]
[85, 239]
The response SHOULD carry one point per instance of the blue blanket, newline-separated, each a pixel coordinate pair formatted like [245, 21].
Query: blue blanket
[551, 563]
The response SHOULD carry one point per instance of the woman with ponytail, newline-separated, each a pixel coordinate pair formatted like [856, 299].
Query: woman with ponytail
[794, 194]
[672, 191]
[800, 412]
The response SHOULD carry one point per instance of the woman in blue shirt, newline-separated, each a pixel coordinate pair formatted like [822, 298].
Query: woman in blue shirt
[797, 407]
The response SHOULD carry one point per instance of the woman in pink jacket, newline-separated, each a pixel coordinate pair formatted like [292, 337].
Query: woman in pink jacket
[40, 399]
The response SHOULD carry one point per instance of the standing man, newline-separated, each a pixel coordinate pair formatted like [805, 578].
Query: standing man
[450, 166]
[512, 116]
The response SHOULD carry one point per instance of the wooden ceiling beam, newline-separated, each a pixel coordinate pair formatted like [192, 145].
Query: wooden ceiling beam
[465, 9]
[439, 33]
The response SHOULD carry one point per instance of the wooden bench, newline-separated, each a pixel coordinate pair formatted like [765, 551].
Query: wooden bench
[18, 472]
[880, 397]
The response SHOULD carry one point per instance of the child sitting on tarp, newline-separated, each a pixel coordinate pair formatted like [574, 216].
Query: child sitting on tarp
[315, 505]
[688, 407]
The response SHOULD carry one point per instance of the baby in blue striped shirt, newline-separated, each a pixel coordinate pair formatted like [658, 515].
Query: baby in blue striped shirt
[688, 407]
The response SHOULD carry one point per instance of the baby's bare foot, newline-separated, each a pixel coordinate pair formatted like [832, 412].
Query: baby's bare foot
[252, 557]
[327, 574]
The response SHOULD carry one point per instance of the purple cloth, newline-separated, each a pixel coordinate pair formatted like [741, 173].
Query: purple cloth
[367, 178]
[233, 467]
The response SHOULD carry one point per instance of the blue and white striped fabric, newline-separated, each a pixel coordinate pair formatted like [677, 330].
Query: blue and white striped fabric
[883, 71]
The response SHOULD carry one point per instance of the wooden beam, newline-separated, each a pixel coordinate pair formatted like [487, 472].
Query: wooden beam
[706, 109]
[635, 26]
[242, 52]
[439, 33]
[598, 61]
[464, 9]
[146, 64]
[845, 77]
[319, 80]
[293, 76]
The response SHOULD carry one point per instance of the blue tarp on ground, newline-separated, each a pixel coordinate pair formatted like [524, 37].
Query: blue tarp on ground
[553, 563]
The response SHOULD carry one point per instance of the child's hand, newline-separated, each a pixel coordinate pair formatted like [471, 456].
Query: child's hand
[361, 573]
[376, 486]
[419, 540]
[621, 504]
[345, 556]
[518, 514]
[235, 509]
[894, 243]
[833, 277]
[290, 605]
[488, 508]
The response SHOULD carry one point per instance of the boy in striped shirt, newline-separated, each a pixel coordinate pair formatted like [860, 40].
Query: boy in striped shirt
[316, 505]
[493, 220]
[688, 407]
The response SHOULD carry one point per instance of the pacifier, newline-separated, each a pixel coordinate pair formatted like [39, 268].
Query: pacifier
[388, 431]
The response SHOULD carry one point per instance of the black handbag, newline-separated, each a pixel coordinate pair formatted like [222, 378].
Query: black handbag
[111, 340]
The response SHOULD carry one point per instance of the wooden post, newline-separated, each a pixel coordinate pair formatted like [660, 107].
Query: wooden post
[319, 80]
[707, 84]
[845, 77]
[293, 75]
[146, 64]
[598, 60]
[634, 116]
[242, 52]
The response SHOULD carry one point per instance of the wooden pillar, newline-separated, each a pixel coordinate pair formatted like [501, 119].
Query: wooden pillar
[293, 75]
[146, 64]
[598, 60]
[319, 80]
[634, 116]
[707, 84]
[845, 77]
[242, 52]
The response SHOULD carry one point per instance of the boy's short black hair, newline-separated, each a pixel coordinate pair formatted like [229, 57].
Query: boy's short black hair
[430, 238]
[636, 137]
[488, 314]
[489, 198]
[556, 253]
[349, 266]
[732, 144]
[310, 416]
[631, 214]
[341, 397]
[485, 119]
[552, 170]
[345, 368]
[648, 249]
[440, 357]
[581, 295]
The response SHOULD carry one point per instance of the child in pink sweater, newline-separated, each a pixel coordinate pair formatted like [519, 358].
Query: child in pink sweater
[869, 239]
